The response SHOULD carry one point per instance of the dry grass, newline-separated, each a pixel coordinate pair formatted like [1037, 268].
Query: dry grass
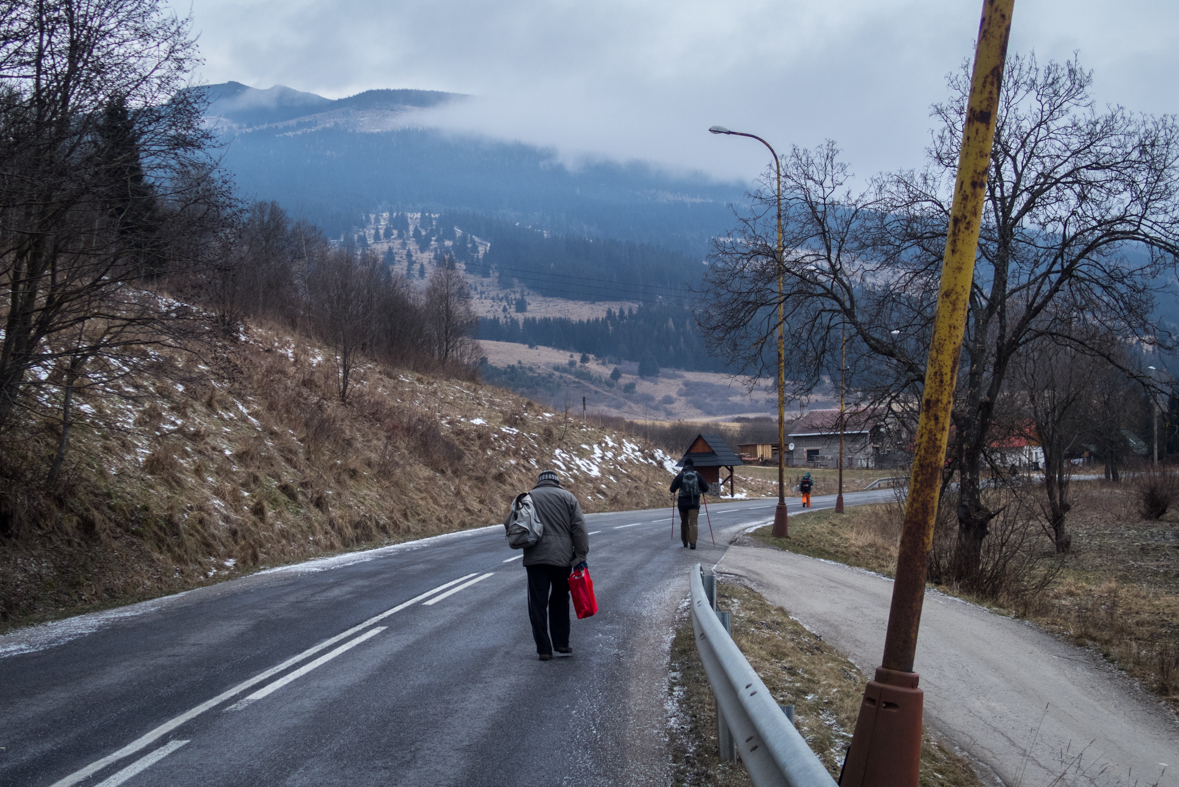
[826, 481]
[798, 668]
[1116, 592]
[674, 395]
[250, 460]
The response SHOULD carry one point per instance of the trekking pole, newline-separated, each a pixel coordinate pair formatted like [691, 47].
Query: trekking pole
[704, 500]
[673, 517]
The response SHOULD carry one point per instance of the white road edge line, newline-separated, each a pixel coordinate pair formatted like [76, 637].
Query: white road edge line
[147, 739]
[141, 765]
[636, 524]
[452, 591]
[290, 676]
[517, 557]
[594, 532]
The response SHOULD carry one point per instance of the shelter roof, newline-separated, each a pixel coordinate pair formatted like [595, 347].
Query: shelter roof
[710, 450]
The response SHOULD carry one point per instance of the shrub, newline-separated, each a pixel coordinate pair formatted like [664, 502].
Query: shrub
[1156, 489]
[1012, 571]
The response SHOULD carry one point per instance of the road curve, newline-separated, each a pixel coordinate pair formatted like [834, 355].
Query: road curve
[411, 664]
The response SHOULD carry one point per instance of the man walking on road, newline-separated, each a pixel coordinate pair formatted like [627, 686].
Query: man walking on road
[563, 545]
[691, 487]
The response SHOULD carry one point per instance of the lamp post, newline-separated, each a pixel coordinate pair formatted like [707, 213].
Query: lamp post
[781, 525]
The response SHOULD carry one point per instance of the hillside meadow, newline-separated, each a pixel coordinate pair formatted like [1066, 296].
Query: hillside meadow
[239, 455]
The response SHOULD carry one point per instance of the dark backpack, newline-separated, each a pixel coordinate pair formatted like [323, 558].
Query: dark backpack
[804, 485]
[690, 484]
[524, 525]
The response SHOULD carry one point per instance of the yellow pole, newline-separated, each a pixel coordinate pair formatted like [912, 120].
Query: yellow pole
[888, 753]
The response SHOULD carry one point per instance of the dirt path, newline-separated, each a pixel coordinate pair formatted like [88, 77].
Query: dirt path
[1020, 701]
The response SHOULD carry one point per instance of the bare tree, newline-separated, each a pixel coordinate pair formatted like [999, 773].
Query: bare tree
[1082, 215]
[449, 316]
[402, 335]
[105, 180]
[1117, 408]
[344, 296]
[1058, 383]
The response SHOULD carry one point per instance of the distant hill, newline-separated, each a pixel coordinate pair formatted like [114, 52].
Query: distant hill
[234, 105]
[332, 161]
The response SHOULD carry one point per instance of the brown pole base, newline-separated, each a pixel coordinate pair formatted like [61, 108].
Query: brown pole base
[781, 527]
[839, 503]
[886, 748]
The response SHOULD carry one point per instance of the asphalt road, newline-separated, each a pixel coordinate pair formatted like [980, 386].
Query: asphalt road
[405, 665]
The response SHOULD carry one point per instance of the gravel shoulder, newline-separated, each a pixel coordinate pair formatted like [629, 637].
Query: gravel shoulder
[1025, 704]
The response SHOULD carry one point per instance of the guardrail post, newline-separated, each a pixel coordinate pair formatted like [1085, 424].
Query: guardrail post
[709, 581]
[771, 749]
[724, 735]
[789, 711]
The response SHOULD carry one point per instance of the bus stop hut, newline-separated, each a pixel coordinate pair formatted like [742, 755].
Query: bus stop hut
[710, 454]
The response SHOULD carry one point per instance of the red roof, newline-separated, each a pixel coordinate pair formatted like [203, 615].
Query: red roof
[1024, 437]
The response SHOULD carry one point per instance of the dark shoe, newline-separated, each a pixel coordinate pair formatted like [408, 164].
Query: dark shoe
[566, 651]
[693, 546]
[685, 545]
[546, 656]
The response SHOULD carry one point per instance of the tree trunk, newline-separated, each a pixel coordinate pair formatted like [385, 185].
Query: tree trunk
[1056, 486]
[67, 418]
[973, 517]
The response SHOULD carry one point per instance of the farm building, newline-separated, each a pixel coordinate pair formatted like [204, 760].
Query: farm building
[815, 437]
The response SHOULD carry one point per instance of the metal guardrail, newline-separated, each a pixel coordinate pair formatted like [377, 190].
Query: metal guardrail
[772, 750]
[892, 480]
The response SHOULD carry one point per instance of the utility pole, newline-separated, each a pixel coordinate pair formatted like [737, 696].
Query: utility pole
[886, 748]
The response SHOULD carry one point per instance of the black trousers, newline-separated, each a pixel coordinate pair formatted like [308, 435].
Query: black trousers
[688, 520]
[548, 606]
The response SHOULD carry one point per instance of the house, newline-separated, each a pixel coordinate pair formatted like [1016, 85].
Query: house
[710, 454]
[1021, 450]
[814, 438]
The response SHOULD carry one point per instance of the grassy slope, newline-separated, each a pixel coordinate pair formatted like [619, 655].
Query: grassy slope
[250, 461]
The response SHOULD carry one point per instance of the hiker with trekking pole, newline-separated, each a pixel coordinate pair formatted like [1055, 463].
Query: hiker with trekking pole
[691, 488]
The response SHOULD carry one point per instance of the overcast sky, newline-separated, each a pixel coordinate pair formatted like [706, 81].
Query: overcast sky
[644, 79]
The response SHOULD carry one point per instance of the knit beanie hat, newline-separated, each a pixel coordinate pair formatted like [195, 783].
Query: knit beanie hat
[689, 463]
[547, 475]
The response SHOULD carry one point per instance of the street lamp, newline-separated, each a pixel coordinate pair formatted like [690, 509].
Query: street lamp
[781, 525]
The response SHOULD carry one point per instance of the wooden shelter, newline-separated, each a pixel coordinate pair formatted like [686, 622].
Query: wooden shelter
[710, 454]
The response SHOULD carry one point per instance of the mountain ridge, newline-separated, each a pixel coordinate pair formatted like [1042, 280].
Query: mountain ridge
[238, 106]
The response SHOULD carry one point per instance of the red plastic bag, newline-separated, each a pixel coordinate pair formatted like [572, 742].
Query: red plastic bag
[581, 587]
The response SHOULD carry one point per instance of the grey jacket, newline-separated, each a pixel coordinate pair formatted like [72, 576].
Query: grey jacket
[565, 541]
